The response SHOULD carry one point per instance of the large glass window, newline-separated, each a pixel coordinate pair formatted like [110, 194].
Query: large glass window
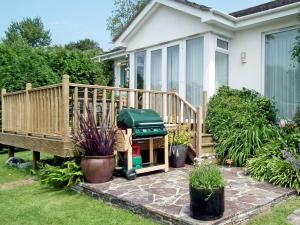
[282, 73]
[221, 71]
[194, 70]
[156, 70]
[173, 68]
[140, 66]
[124, 83]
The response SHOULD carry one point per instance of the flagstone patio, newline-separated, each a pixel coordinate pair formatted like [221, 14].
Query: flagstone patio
[164, 197]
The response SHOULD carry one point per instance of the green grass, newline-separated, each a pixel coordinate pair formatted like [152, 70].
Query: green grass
[278, 215]
[35, 205]
[9, 174]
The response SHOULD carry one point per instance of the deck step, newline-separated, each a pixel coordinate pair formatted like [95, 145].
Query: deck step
[207, 138]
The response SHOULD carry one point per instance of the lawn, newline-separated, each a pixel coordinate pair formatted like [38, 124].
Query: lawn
[278, 215]
[33, 204]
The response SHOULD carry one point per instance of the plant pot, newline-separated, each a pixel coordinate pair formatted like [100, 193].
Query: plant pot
[178, 156]
[205, 205]
[98, 169]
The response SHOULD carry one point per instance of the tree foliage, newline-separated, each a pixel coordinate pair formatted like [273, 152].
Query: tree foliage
[124, 11]
[84, 45]
[21, 64]
[30, 31]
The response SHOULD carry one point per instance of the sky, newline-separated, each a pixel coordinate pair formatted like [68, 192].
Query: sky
[72, 20]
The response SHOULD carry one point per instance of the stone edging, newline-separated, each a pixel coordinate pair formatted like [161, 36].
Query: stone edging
[239, 218]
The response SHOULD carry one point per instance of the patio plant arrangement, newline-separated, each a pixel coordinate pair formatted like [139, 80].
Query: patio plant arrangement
[206, 192]
[178, 142]
[96, 144]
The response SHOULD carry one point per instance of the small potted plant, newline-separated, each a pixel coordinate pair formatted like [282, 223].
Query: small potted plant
[178, 143]
[96, 143]
[206, 192]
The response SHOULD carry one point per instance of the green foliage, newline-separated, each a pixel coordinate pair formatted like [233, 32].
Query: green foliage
[124, 11]
[78, 65]
[84, 45]
[296, 49]
[21, 64]
[297, 116]
[29, 31]
[67, 175]
[206, 176]
[273, 162]
[182, 137]
[241, 122]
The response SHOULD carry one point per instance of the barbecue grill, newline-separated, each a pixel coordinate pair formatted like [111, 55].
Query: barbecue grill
[139, 125]
[145, 123]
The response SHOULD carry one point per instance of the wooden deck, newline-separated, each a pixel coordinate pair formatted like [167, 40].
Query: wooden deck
[43, 119]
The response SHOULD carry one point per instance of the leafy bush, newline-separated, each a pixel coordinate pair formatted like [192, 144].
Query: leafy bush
[21, 64]
[297, 116]
[67, 175]
[278, 162]
[182, 137]
[206, 176]
[241, 122]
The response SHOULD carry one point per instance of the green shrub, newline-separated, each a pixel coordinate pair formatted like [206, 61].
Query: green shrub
[206, 176]
[278, 162]
[241, 122]
[67, 175]
[297, 116]
[182, 137]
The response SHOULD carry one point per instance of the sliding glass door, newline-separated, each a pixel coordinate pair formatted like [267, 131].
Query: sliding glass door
[140, 67]
[194, 71]
[156, 70]
[282, 73]
[173, 68]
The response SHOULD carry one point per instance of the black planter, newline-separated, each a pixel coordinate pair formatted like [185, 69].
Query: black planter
[178, 156]
[206, 206]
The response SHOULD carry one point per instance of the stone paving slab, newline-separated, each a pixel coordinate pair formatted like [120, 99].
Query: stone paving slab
[295, 217]
[165, 196]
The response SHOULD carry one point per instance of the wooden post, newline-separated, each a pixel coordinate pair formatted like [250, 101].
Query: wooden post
[205, 103]
[3, 92]
[166, 153]
[65, 108]
[129, 152]
[151, 154]
[35, 159]
[28, 109]
[198, 132]
[11, 151]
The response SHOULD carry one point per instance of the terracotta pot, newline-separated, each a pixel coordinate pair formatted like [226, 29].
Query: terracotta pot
[98, 169]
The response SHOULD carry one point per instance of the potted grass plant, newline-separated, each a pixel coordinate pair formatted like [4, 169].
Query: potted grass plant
[206, 192]
[96, 143]
[178, 143]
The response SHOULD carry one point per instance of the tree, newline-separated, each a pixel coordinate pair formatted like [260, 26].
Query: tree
[296, 49]
[30, 31]
[84, 45]
[21, 64]
[124, 11]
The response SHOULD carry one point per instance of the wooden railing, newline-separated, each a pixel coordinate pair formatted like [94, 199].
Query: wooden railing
[51, 111]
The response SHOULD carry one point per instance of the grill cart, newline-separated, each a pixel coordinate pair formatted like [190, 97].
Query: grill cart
[141, 126]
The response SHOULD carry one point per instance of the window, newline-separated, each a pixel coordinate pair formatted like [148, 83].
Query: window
[140, 61]
[221, 70]
[282, 74]
[173, 68]
[156, 70]
[194, 71]
[123, 77]
[222, 44]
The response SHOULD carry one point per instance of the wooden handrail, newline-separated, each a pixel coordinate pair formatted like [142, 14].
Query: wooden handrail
[51, 111]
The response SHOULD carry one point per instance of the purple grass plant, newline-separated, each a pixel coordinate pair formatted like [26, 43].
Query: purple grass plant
[295, 163]
[95, 140]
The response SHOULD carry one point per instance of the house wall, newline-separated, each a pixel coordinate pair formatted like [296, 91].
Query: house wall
[166, 24]
[251, 41]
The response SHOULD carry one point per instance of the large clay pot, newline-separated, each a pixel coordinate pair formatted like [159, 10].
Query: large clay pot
[205, 205]
[98, 169]
[178, 156]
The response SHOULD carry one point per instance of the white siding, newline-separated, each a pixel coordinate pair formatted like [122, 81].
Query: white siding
[251, 73]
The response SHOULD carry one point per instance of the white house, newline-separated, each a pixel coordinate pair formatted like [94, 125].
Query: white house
[177, 44]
